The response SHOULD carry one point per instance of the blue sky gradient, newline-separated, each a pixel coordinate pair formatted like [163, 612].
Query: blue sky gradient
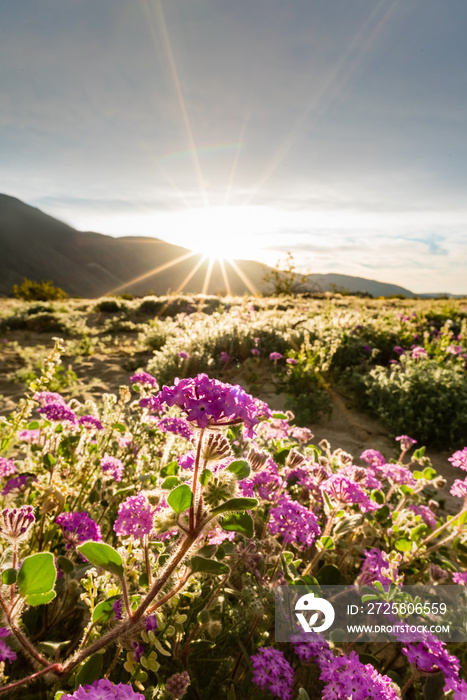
[334, 129]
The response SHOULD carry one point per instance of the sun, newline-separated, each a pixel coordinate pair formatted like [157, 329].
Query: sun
[219, 233]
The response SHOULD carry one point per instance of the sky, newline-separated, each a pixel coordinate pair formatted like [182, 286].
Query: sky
[333, 129]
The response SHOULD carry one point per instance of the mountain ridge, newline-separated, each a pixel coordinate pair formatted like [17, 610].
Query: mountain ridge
[35, 245]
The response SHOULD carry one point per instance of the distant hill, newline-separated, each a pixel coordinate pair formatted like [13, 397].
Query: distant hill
[39, 247]
[87, 264]
[345, 283]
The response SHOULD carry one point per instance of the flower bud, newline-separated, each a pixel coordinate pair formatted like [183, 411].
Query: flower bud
[15, 523]
[216, 448]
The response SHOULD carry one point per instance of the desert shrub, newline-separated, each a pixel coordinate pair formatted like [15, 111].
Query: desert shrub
[110, 306]
[421, 397]
[38, 291]
[38, 323]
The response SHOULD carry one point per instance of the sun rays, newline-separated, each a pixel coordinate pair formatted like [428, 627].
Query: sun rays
[217, 233]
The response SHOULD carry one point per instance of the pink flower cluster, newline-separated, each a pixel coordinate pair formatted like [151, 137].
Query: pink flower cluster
[113, 467]
[459, 459]
[271, 670]
[344, 676]
[211, 403]
[294, 523]
[135, 517]
[77, 528]
[104, 690]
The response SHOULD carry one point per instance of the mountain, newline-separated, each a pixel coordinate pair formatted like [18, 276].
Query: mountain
[87, 264]
[346, 283]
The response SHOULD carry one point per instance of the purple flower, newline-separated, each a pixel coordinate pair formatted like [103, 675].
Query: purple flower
[429, 654]
[90, 423]
[117, 607]
[135, 517]
[104, 690]
[187, 460]
[6, 654]
[177, 426]
[460, 577]
[291, 361]
[377, 567]
[274, 356]
[458, 687]
[418, 352]
[18, 482]
[7, 467]
[225, 357]
[398, 350]
[343, 676]
[209, 402]
[425, 513]
[459, 459]
[33, 437]
[459, 488]
[301, 434]
[144, 379]
[183, 355]
[373, 457]
[367, 349]
[347, 493]
[255, 352]
[138, 651]
[454, 349]
[45, 397]
[15, 523]
[78, 527]
[271, 670]
[150, 623]
[406, 442]
[58, 412]
[113, 467]
[177, 684]
[294, 523]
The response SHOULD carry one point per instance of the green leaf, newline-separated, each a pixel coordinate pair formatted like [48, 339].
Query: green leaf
[429, 473]
[378, 496]
[180, 498]
[170, 469]
[238, 522]
[49, 460]
[279, 416]
[103, 555]
[326, 542]
[209, 566]
[40, 598]
[37, 574]
[91, 671]
[241, 468]
[418, 475]
[120, 427]
[65, 565]
[329, 575]
[9, 576]
[205, 476]
[104, 610]
[34, 425]
[406, 490]
[169, 483]
[418, 454]
[403, 544]
[235, 504]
